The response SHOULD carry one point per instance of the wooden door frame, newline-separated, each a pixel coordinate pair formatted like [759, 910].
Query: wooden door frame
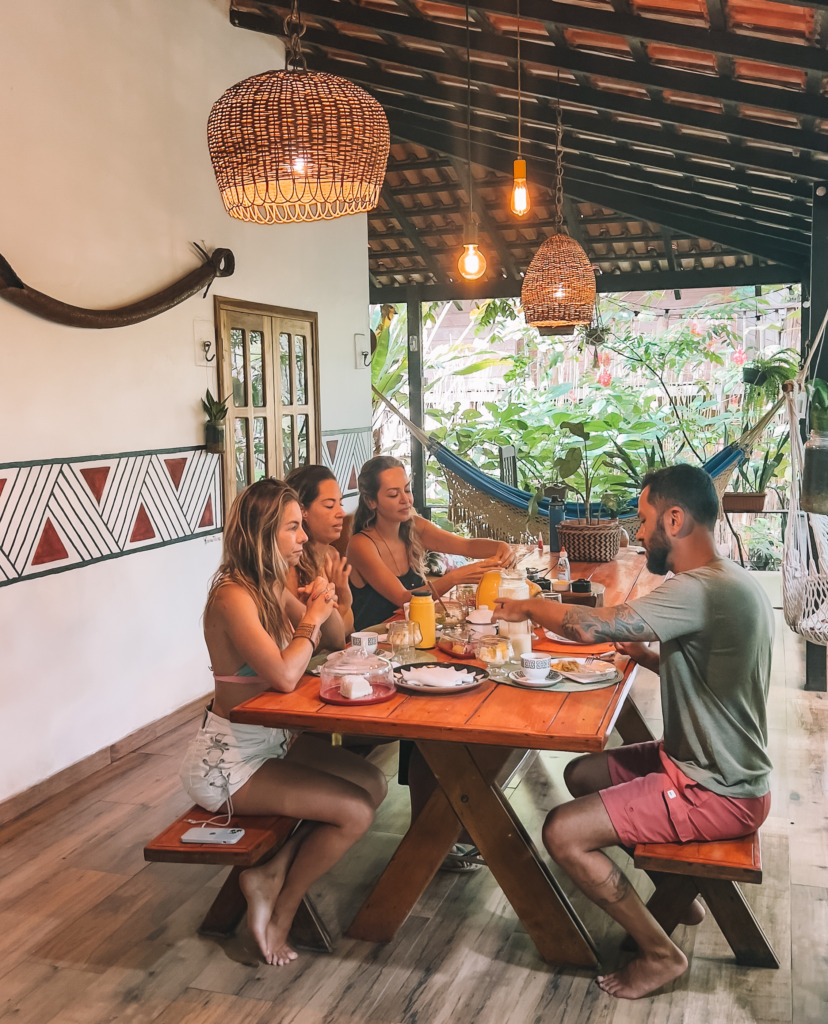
[224, 303]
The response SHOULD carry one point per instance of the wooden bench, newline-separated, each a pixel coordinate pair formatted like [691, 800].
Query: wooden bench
[263, 837]
[683, 871]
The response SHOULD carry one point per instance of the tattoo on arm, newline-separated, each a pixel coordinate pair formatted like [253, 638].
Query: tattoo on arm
[597, 625]
[613, 889]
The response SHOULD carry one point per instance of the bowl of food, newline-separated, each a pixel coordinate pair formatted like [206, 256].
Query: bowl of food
[449, 614]
[458, 643]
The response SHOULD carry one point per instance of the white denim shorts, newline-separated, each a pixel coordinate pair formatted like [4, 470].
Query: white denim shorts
[224, 755]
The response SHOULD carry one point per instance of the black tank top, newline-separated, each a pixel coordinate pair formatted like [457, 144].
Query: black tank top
[370, 607]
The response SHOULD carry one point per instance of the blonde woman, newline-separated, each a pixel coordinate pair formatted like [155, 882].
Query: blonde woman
[386, 550]
[323, 517]
[248, 769]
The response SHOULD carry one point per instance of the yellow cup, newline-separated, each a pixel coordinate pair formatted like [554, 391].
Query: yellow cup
[487, 589]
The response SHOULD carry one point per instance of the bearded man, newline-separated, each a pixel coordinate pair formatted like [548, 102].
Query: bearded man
[708, 778]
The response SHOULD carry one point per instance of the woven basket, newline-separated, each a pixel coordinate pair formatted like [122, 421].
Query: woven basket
[590, 542]
[559, 288]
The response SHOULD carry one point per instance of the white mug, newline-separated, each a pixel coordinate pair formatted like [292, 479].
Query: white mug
[366, 640]
[535, 665]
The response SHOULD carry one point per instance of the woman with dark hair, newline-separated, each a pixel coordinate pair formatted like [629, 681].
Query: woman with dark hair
[387, 549]
[322, 519]
[259, 638]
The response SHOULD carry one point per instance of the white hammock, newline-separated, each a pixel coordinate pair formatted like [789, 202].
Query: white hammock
[805, 551]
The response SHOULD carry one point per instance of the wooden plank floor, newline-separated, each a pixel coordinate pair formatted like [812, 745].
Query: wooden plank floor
[89, 933]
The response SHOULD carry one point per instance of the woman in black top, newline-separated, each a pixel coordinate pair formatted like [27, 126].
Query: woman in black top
[389, 541]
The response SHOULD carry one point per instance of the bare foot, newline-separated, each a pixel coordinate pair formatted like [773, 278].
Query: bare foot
[277, 932]
[261, 889]
[643, 975]
[694, 914]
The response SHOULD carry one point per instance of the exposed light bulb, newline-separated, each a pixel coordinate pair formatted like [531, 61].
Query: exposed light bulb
[472, 262]
[559, 292]
[520, 193]
[298, 164]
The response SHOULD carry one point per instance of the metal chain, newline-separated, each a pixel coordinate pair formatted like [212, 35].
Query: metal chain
[294, 30]
[558, 171]
[468, 115]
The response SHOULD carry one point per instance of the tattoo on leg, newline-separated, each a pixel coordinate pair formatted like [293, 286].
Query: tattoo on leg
[613, 889]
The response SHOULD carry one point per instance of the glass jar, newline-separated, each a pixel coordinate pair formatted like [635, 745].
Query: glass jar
[814, 496]
[355, 675]
[494, 650]
[458, 643]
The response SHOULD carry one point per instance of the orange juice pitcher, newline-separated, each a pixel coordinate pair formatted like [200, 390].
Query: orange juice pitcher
[487, 589]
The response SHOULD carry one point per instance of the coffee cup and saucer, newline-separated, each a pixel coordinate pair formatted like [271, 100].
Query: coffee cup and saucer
[534, 671]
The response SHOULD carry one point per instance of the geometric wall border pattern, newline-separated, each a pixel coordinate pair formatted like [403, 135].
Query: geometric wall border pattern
[64, 514]
[345, 452]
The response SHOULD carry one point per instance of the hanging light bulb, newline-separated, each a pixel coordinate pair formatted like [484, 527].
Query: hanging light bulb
[297, 145]
[472, 262]
[519, 203]
[520, 193]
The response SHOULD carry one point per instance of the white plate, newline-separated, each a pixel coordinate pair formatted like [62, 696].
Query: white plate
[558, 639]
[519, 677]
[606, 671]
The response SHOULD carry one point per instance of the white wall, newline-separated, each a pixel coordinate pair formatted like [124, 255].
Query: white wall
[104, 182]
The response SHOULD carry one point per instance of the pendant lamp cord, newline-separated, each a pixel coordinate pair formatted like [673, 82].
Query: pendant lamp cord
[558, 162]
[520, 140]
[468, 116]
[294, 30]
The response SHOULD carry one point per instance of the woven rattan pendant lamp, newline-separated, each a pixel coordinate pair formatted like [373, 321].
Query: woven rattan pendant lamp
[558, 292]
[297, 145]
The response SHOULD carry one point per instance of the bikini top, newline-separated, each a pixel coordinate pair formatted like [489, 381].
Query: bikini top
[244, 675]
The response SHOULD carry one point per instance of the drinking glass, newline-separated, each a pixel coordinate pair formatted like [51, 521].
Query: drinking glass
[466, 596]
[403, 636]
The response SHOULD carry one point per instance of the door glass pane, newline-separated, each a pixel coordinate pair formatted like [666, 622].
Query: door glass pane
[256, 370]
[284, 363]
[287, 444]
[259, 448]
[237, 364]
[302, 423]
[301, 370]
[242, 478]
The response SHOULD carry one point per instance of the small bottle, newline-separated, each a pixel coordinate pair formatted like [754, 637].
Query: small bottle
[562, 572]
[421, 611]
[540, 543]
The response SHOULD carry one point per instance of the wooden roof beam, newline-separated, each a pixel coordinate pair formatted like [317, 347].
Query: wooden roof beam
[398, 212]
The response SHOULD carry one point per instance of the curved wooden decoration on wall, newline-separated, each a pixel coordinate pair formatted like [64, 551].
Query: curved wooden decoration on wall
[219, 263]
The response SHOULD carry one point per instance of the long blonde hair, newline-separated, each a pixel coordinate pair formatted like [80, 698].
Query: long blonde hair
[365, 517]
[250, 555]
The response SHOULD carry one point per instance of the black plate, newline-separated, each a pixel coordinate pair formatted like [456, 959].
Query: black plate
[479, 673]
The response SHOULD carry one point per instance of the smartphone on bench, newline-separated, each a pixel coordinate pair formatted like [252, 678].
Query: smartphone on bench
[221, 836]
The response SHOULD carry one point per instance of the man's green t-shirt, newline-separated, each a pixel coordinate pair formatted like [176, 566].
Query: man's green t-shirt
[715, 625]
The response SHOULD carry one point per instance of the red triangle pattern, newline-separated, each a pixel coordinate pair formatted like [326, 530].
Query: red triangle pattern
[95, 478]
[50, 547]
[352, 480]
[332, 446]
[207, 515]
[175, 467]
[142, 530]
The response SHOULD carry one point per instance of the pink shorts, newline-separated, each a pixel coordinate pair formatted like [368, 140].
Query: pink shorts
[653, 801]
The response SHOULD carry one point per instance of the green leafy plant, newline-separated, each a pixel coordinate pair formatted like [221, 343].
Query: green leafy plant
[755, 474]
[764, 545]
[214, 408]
[765, 375]
[818, 408]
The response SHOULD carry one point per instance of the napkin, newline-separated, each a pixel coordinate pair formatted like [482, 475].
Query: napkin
[431, 676]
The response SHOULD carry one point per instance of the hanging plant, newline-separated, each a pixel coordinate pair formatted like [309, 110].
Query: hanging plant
[216, 411]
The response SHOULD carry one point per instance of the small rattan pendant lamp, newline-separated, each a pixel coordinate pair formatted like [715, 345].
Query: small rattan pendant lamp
[558, 292]
[297, 145]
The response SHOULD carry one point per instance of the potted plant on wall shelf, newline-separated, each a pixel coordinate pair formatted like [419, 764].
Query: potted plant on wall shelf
[765, 376]
[753, 477]
[216, 411]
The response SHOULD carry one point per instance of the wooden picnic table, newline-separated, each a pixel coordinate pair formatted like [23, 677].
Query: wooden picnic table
[467, 739]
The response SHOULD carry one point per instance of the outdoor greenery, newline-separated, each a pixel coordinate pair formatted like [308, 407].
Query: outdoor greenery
[600, 410]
